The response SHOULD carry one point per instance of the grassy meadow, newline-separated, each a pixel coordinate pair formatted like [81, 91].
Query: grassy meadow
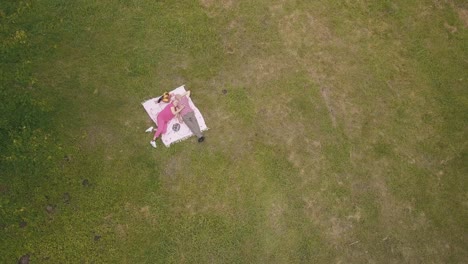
[338, 131]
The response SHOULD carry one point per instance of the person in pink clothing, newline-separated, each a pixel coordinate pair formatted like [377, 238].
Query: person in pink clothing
[188, 115]
[169, 112]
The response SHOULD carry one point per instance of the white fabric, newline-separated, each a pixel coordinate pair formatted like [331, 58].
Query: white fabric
[153, 108]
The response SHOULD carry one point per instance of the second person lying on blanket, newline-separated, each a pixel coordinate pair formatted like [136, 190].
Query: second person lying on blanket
[188, 115]
[169, 112]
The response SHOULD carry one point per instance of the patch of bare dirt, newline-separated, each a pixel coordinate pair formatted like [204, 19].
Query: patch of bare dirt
[463, 15]
[277, 8]
[325, 95]
[356, 216]
[450, 28]
[306, 156]
[339, 229]
[121, 231]
[145, 211]
[232, 37]
[461, 11]
[295, 159]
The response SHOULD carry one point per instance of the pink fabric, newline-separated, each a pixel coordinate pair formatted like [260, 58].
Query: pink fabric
[163, 118]
[185, 102]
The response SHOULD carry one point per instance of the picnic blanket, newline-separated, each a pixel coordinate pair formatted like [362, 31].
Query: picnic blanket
[153, 108]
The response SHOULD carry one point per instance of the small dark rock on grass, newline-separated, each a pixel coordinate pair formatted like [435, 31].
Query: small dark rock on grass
[24, 259]
[23, 224]
[66, 198]
[85, 182]
[3, 189]
[50, 209]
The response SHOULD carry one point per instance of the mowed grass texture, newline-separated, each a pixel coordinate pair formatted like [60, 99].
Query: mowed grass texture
[337, 132]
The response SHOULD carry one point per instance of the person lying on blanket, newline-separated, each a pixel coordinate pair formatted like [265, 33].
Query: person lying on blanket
[169, 112]
[188, 115]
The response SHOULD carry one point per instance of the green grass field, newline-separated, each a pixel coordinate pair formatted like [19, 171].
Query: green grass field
[341, 136]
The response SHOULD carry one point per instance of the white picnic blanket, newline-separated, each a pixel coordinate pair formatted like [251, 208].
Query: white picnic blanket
[153, 108]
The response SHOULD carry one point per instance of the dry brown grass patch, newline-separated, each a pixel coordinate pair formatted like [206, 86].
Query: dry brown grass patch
[121, 231]
[258, 71]
[222, 3]
[324, 92]
[174, 166]
[215, 8]
[276, 215]
[303, 29]
[280, 128]
[142, 213]
[463, 15]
